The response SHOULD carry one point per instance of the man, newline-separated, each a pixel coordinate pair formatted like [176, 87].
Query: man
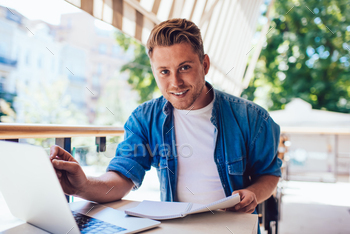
[205, 144]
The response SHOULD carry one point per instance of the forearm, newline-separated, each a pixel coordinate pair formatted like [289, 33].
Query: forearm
[111, 186]
[263, 187]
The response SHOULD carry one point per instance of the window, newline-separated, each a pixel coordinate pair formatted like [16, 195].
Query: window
[99, 68]
[116, 50]
[53, 65]
[102, 48]
[69, 23]
[27, 58]
[2, 49]
[95, 81]
[39, 63]
[2, 82]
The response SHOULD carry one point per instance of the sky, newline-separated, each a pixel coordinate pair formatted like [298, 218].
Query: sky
[47, 10]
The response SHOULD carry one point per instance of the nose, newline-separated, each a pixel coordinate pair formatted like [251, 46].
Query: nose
[176, 80]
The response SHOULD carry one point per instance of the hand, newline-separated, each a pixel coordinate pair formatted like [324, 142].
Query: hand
[248, 201]
[71, 176]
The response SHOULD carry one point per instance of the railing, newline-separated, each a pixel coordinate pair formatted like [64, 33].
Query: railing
[17, 131]
[316, 130]
[62, 133]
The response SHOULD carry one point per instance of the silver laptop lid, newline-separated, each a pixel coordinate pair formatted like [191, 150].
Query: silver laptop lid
[31, 189]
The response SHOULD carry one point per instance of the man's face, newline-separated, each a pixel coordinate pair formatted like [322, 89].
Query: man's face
[180, 76]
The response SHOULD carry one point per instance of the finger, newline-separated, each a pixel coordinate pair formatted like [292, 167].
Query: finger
[58, 151]
[235, 192]
[59, 174]
[231, 209]
[249, 209]
[245, 211]
[53, 152]
[70, 167]
[244, 202]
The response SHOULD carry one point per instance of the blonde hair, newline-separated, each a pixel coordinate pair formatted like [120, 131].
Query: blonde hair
[176, 31]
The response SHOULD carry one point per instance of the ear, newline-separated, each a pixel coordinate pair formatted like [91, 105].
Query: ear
[206, 64]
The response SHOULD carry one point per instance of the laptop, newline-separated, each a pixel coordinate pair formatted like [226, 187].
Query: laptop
[33, 193]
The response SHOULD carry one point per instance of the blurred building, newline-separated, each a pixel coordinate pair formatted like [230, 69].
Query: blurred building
[25, 57]
[104, 57]
[8, 58]
[34, 53]
[319, 141]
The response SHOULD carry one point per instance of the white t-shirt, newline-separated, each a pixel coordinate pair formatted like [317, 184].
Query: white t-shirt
[198, 177]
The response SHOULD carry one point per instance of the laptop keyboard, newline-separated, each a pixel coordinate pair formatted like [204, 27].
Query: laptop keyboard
[88, 224]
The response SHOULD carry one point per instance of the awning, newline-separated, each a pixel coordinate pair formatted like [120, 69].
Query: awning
[227, 28]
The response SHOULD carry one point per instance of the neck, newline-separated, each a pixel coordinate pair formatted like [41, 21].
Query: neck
[204, 98]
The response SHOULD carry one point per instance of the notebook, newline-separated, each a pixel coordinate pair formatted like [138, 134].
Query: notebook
[172, 210]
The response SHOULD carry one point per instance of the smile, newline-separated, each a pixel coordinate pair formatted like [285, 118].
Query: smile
[180, 93]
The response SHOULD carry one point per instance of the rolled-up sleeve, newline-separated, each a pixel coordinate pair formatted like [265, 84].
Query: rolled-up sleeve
[263, 158]
[132, 158]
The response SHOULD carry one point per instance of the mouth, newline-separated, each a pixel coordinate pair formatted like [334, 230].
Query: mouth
[179, 94]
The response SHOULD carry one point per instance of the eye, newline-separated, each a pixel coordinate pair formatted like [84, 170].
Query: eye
[184, 68]
[164, 72]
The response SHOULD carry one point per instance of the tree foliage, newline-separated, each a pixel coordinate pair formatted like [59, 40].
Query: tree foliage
[7, 113]
[141, 77]
[307, 56]
[49, 104]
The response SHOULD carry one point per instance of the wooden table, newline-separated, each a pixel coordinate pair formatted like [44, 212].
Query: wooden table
[219, 222]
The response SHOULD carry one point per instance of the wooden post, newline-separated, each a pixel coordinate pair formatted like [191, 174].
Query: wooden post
[336, 154]
[12, 140]
[65, 143]
[101, 144]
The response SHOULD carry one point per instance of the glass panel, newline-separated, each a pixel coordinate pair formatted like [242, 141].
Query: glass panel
[94, 163]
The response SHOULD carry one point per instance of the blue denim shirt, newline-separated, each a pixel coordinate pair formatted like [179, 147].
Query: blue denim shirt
[246, 141]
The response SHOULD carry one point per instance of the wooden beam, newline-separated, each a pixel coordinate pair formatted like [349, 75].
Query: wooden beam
[171, 12]
[211, 24]
[16, 131]
[139, 26]
[253, 61]
[88, 6]
[177, 8]
[193, 8]
[136, 5]
[118, 9]
[222, 30]
[155, 7]
[207, 15]
[203, 12]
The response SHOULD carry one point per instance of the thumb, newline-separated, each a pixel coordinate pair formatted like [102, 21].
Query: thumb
[236, 192]
[239, 192]
[70, 167]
